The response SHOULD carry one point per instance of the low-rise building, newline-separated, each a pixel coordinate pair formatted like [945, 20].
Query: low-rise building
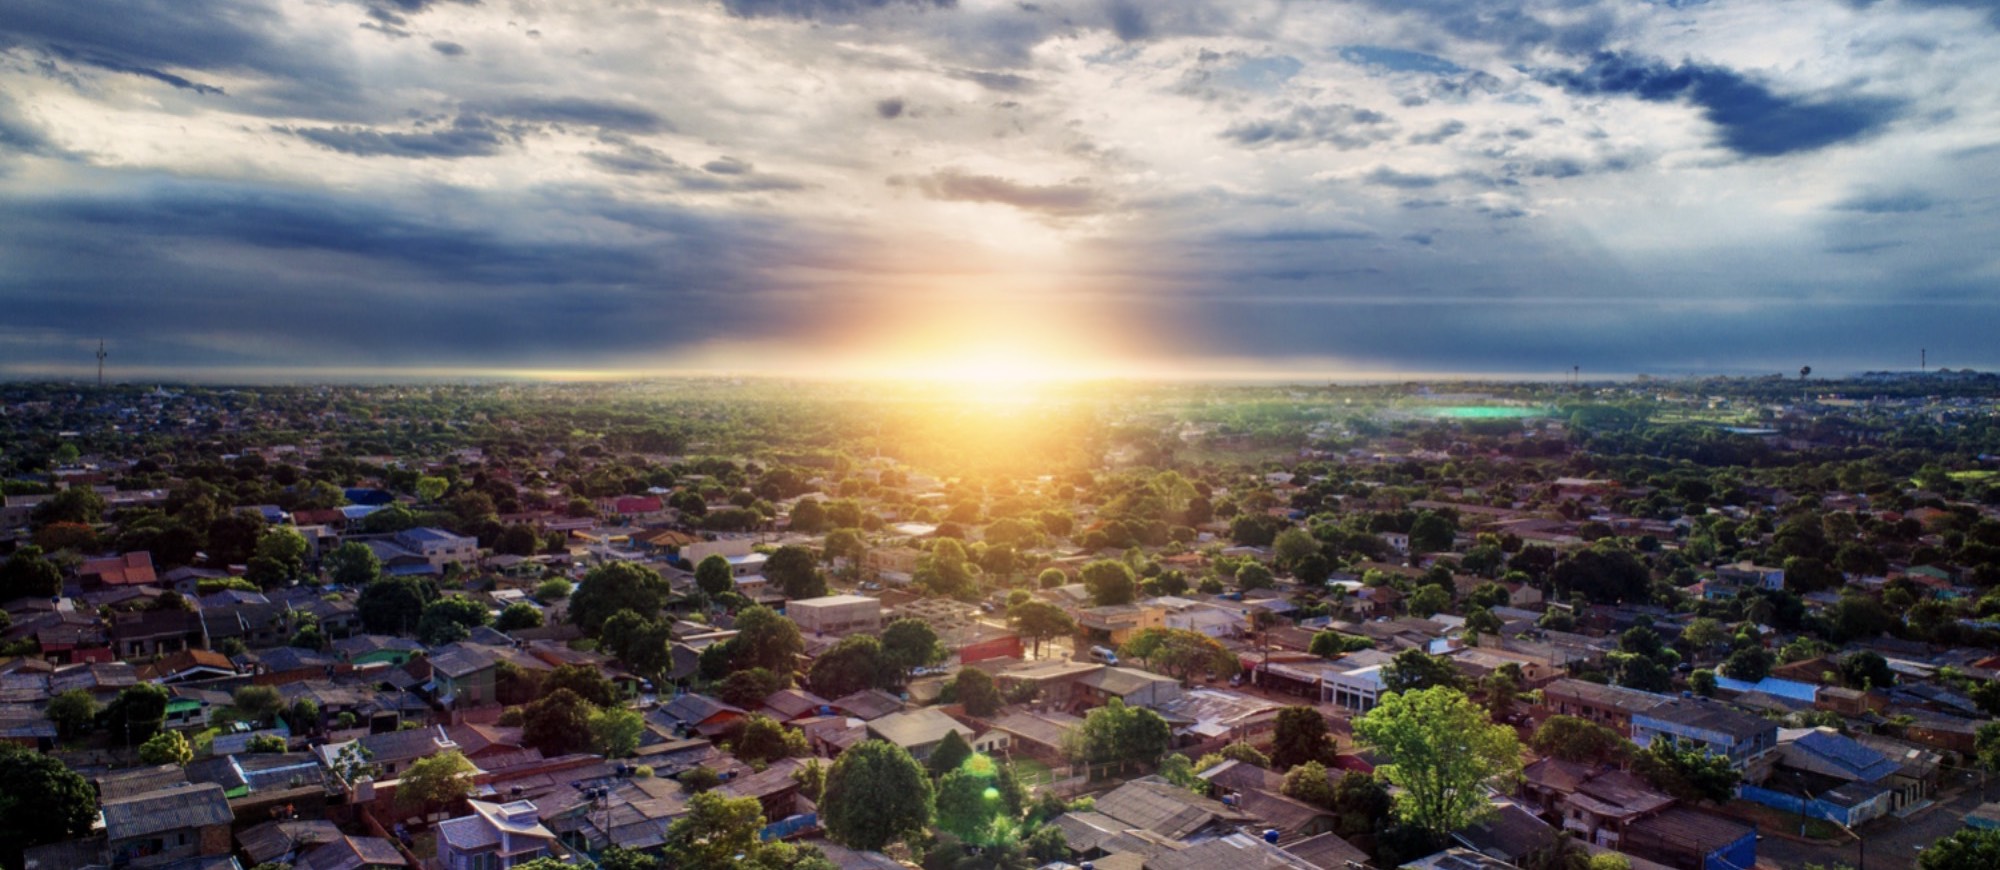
[1717, 728]
[836, 614]
[494, 837]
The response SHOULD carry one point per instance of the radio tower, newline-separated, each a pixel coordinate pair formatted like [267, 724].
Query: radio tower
[100, 363]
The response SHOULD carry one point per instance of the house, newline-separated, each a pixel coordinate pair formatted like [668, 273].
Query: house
[187, 666]
[698, 714]
[463, 674]
[786, 705]
[164, 826]
[1211, 718]
[1156, 806]
[353, 853]
[1916, 778]
[1039, 734]
[1509, 833]
[1113, 625]
[918, 731]
[1329, 852]
[439, 547]
[868, 704]
[836, 614]
[1688, 839]
[148, 633]
[1716, 727]
[281, 842]
[1749, 575]
[1135, 687]
[130, 569]
[1822, 773]
[392, 752]
[494, 837]
[1610, 706]
[256, 624]
[1596, 804]
[376, 649]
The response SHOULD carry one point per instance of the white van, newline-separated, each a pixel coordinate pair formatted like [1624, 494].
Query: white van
[1103, 654]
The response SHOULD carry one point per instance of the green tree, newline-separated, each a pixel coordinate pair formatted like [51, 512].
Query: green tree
[1050, 578]
[713, 576]
[615, 731]
[1333, 644]
[974, 688]
[1687, 773]
[450, 619]
[749, 688]
[1180, 653]
[258, 703]
[166, 747]
[1109, 581]
[1360, 802]
[718, 833]
[430, 489]
[796, 572]
[393, 605]
[557, 723]
[41, 801]
[1702, 682]
[1571, 738]
[969, 804]
[1253, 575]
[76, 504]
[1703, 633]
[1308, 782]
[1964, 849]
[1866, 670]
[950, 752]
[1293, 545]
[616, 586]
[1749, 664]
[762, 739]
[1428, 600]
[26, 574]
[1301, 736]
[434, 782]
[589, 683]
[1432, 533]
[853, 665]
[911, 643]
[876, 794]
[1414, 669]
[1120, 735]
[1443, 753]
[518, 616]
[1038, 621]
[811, 777]
[73, 712]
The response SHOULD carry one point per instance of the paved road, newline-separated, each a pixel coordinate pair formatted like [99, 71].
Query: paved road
[1892, 843]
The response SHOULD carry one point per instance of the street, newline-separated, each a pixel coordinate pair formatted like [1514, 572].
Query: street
[1892, 843]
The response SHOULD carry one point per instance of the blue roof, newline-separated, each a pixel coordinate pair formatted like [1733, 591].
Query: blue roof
[1794, 690]
[1866, 765]
[369, 496]
[357, 511]
[425, 533]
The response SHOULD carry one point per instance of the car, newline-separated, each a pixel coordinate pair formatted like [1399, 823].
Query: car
[1103, 654]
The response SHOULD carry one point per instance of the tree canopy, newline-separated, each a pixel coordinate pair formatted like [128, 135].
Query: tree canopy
[875, 795]
[1443, 753]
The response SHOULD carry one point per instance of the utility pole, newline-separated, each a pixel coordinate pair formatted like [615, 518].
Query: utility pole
[100, 363]
[1924, 361]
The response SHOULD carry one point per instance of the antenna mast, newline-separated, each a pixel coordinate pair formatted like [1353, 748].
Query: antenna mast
[100, 363]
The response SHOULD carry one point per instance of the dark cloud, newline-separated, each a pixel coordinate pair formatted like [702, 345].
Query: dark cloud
[1340, 125]
[1438, 134]
[20, 134]
[889, 108]
[448, 49]
[819, 9]
[465, 136]
[153, 38]
[1007, 83]
[1383, 176]
[721, 175]
[1887, 202]
[1753, 121]
[602, 114]
[1060, 200]
[1519, 26]
[1127, 20]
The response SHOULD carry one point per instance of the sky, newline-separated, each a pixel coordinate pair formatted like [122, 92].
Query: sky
[257, 188]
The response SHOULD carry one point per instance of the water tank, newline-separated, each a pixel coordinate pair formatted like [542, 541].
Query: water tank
[1271, 836]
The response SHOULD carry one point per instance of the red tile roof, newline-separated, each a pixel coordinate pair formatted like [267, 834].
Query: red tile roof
[131, 569]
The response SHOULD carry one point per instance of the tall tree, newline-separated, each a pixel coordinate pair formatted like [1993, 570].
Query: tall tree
[41, 801]
[616, 586]
[911, 643]
[434, 782]
[136, 714]
[796, 572]
[854, 664]
[394, 605]
[1109, 582]
[1687, 773]
[558, 723]
[615, 731]
[876, 794]
[969, 805]
[1120, 735]
[1181, 653]
[1443, 753]
[974, 688]
[1308, 782]
[1039, 621]
[1571, 738]
[950, 752]
[712, 574]
[718, 833]
[27, 574]
[1964, 849]
[766, 639]
[1301, 736]
[449, 619]
[1414, 669]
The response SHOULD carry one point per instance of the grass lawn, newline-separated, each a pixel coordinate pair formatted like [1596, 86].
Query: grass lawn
[1032, 772]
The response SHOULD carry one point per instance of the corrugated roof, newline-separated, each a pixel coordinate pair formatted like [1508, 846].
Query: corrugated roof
[195, 806]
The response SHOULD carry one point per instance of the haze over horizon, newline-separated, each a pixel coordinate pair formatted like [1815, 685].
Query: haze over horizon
[989, 190]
